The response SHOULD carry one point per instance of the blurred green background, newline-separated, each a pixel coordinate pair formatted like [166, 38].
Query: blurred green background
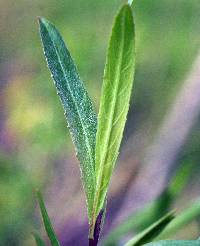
[34, 139]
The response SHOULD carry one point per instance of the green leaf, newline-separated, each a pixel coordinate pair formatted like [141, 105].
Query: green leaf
[47, 223]
[76, 103]
[152, 232]
[174, 243]
[38, 240]
[187, 216]
[114, 104]
[141, 219]
[144, 217]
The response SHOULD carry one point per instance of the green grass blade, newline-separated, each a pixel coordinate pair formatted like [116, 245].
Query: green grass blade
[114, 104]
[152, 232]
[141, 219]
[47, 223]
[76, 102]
[174, 243]
[144, 217]
[38, 240]
[187, 216]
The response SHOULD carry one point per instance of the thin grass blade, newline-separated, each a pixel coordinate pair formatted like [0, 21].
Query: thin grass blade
[38, 240]
[144, 217]
[152, 232]
[77, 105]
[174, 243]
[186, 217]
[47, 223]
[140, 219]
[114, 103]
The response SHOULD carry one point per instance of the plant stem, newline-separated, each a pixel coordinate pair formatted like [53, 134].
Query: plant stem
[97, 230]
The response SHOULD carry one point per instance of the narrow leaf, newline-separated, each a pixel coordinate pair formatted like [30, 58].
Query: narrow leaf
[187, 216]
[76, 103]
[114, 104]
[38, 240]
[152, 232]
[141, 219]
[144, 217]
[47, 223]
[174, 243]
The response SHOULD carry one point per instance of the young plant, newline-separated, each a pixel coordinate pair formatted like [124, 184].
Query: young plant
[97, 141]
[97, 147]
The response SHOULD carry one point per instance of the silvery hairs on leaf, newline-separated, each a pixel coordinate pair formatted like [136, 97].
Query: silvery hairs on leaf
[77, 105]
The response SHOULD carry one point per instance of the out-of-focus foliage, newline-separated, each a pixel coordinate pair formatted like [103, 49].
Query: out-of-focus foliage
[174, 243]
[33, 134]
[146, 216]
[151, 232]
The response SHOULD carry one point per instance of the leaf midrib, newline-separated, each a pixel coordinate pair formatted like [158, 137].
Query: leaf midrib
[99, 181]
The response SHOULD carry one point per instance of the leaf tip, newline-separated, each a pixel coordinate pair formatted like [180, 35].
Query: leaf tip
[42, 21]
[39, 18]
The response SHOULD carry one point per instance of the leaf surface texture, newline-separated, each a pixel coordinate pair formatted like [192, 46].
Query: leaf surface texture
[114, 103]
[77, 105]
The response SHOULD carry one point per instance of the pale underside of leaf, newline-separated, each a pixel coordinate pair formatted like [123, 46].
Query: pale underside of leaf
[77, 105]
[152, 231]
[114, 104]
